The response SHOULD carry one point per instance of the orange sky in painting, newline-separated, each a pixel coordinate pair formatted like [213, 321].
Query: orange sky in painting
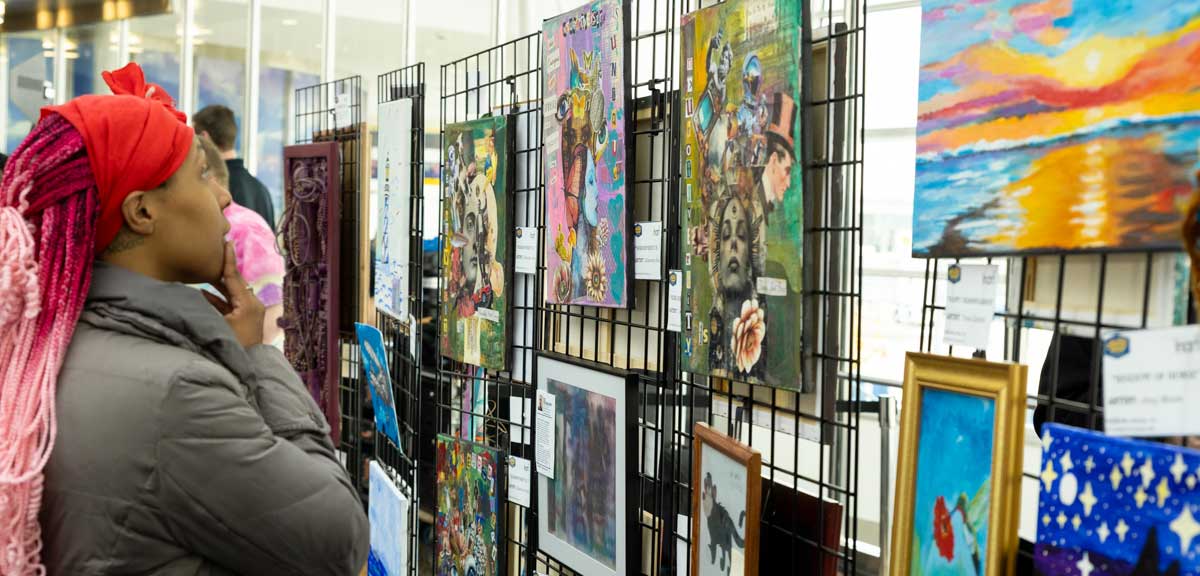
[1102, 78]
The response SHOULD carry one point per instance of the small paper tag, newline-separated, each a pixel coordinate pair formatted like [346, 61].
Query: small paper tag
[647, 247]
[970, 305]
[488, 314]
[772, 286]
[1150, 379]
[526, 250]
[544, 446]
[674, 300]
[520, 477]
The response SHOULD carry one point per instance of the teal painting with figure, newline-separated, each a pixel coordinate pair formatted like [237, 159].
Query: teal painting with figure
[953, 484]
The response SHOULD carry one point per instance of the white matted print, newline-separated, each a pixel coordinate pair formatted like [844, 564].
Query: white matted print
[388, 515]
[395, 190]
[722, 515]
[583, 516]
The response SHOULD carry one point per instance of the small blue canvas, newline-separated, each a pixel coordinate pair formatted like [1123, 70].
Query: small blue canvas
[375, 367]
[388, 514]
[1116, 506]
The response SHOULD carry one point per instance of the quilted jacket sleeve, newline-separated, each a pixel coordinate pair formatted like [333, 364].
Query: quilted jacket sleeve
[251, 481]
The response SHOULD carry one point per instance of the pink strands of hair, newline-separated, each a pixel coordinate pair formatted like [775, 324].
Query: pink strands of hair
[48, 205]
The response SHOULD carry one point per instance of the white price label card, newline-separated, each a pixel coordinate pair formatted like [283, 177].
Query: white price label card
[527, 250]
[970, 305]
[520, 478]
[341, 110]
[674, 300]
[544, 448]
[1152, 382]
[647, 249]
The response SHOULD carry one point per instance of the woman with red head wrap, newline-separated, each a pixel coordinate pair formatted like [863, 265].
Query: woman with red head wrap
[143, 429]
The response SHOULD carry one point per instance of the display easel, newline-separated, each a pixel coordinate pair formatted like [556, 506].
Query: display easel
[332, 111]
[402, 460]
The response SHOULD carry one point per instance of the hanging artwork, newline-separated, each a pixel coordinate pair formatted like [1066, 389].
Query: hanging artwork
[958, 478]
[375, 367]
[469, 516]
[395, 160]
[388, 514]
[475, 218]
[743, 223]
[1048, 126]
[1116, 507]
[310, 235]
[726, 495]
[586, 242]
[584, 511]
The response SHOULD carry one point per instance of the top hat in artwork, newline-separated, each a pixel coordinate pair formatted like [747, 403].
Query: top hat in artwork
[783, 120]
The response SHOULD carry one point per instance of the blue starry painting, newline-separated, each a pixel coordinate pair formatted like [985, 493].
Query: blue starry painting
[1115, 506]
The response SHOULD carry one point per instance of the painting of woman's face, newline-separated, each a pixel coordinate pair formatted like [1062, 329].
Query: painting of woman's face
[735, 247]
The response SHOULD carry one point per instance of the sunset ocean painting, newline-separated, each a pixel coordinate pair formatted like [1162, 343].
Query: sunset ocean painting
[1055, 125]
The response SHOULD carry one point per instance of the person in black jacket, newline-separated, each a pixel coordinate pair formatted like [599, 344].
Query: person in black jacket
[217, 122]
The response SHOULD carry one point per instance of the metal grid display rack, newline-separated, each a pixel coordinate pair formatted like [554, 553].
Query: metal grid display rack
[1056, 309]
[402, 460]
[332, 111]
[809, 451]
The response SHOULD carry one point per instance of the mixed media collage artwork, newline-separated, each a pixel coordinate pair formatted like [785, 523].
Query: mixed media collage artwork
[953, 484]
[395, 189]
[388, 515]
[476, 224]
[1055, 125]
[742, 217]
[469, 518]
[379, 380]
[1115, 506]
[587, 243]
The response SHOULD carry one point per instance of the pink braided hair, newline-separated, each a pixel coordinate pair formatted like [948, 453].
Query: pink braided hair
[48, 205]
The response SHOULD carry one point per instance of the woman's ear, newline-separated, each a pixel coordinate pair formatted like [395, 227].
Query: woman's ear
[139, 216]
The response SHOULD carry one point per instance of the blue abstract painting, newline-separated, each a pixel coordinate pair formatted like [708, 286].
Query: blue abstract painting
[374, 358]
[388, 514]
[1115, 506]
[953, 483]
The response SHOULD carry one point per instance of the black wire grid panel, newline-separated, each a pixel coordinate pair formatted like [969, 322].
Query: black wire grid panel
[402, 460]
[507, 79]
[332, 112]
[1056, 310]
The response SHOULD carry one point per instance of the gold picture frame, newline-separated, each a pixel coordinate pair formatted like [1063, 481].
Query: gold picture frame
[966, 396]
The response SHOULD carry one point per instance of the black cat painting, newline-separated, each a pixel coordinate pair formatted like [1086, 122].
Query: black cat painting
[723, 533]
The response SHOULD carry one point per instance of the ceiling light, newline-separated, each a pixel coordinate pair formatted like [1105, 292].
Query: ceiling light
[290, 22]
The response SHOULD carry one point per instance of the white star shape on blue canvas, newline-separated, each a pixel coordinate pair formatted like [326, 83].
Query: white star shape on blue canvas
[1046, 440]
[1089, 464]
[1088, 499]
[1186, 528]
[1103, 532]
[1127, 464]
[1066, 463]
[1178, 469]
[1085, 566]
[1122, 529]
[1049, 475]
[1116, 477]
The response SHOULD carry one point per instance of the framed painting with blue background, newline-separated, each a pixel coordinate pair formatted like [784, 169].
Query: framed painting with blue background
[1116, 506]
[375, 367]
[958, 478]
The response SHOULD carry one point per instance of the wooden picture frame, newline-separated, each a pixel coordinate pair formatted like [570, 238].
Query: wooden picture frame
[581, 388]
[751, 460]
[976, 478]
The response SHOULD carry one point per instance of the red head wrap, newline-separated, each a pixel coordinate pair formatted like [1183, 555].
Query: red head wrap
[135, 140]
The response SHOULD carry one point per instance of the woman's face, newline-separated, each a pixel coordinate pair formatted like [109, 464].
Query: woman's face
[190, 234]
[735, 247]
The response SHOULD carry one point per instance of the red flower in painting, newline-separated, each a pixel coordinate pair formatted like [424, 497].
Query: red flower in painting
[943, 533]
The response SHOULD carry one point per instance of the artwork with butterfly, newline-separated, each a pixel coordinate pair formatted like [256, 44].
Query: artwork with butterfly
[586, 242]
[742, 195]
[476, 246]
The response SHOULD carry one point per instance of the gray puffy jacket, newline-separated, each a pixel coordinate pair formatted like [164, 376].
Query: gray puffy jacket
[181, 452]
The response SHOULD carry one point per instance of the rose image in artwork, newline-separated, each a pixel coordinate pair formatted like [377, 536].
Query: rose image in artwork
[595, 277]
[700, 242]
[943, 532]
[563, 285]
[603, 232]
[749, 329]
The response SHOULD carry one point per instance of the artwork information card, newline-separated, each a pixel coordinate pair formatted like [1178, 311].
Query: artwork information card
[544, 450]
[647, 246]
[519, 480]
[1150, 379]
[970, 305]
[526, 250]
